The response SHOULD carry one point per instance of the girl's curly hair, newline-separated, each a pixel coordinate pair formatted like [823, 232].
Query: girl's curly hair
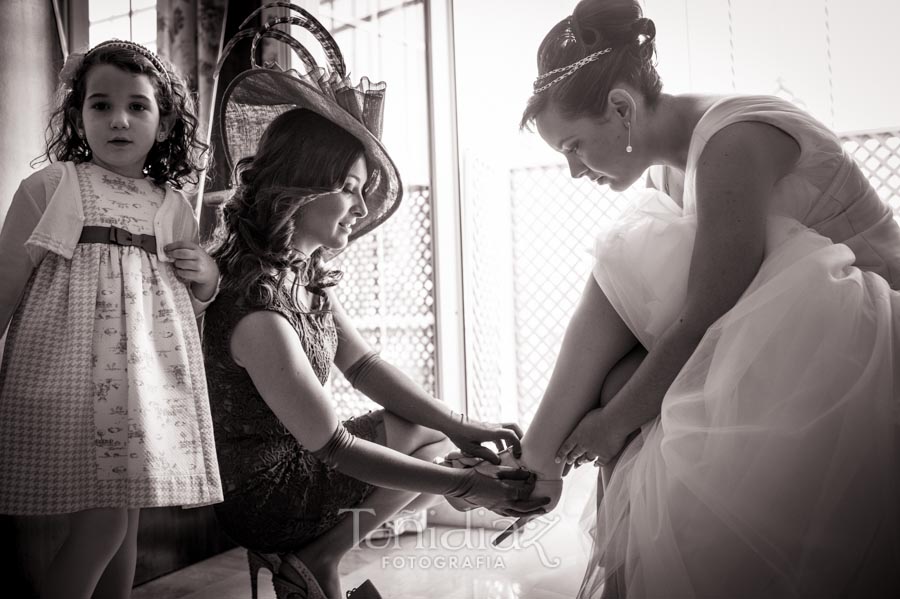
[300, 156]
[178, 160]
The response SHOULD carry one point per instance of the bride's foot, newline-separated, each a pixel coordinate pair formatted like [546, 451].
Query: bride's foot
[544, 487]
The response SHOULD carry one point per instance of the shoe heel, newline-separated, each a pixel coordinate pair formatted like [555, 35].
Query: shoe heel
[255, 564]
[366, 590]
[312, 590]
[256, 561]
[513, 528]
[285, 589]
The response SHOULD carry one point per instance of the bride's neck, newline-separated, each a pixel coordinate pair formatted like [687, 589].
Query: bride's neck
[672, 123]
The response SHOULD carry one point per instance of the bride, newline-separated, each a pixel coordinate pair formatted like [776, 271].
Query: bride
[741, 323]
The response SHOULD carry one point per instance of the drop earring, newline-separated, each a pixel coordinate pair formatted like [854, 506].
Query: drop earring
[628, 148]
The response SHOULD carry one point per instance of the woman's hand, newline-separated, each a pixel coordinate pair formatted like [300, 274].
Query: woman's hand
[193, 265]
[596, 438]
[507, 494]
[468, 435]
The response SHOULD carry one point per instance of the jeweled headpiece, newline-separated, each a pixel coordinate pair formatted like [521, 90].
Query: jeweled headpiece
[541, 83]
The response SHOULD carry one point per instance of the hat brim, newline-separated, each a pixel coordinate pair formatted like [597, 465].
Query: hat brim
[256, 96]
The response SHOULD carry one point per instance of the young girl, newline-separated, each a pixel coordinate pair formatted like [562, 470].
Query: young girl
[103, 400]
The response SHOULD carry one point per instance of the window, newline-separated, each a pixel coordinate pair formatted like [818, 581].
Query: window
[133, 20]
[528, 227]
[389, 289]
[93, 21]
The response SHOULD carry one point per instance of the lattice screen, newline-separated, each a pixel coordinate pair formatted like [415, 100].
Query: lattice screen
[488, 291]
[555, 220]
[878, 154]
[388, 291]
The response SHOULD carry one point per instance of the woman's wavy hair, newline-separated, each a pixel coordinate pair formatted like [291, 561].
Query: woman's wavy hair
[178, 160]
[300, 156]
[596, 25]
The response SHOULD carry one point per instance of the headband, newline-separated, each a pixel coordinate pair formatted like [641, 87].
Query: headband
[566, 71]
[642, 30]
[134, 47]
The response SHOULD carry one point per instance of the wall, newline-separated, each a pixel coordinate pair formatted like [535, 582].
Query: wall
[30, 57]
[29, 60]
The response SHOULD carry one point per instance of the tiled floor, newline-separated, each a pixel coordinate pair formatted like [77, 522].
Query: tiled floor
[546, 562]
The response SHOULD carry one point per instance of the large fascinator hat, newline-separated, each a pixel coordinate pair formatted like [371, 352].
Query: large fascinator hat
[256, 96]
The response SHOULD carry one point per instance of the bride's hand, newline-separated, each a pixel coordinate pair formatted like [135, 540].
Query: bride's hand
[595, 438]
[468, 435]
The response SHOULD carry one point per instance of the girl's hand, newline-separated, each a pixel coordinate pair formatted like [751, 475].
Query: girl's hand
[468, 435]
[595, 439]
[193, 265]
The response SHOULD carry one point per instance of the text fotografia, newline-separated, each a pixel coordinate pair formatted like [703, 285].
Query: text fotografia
[468, 547]
[443, 562]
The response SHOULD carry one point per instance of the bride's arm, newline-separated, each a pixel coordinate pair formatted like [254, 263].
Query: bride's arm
[596, 339]
[737, 171]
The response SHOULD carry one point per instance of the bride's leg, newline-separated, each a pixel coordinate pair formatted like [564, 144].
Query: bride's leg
[615, 380]
[596, 340]
[618, 376]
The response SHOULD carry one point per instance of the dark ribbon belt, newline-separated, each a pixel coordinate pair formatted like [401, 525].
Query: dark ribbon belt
[117, 236]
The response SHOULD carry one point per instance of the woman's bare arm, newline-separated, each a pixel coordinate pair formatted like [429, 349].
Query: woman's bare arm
[402, 396]
[737, 171]
[266, 345]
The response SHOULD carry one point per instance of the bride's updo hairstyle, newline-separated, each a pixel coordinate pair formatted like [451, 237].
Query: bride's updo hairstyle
[582, 89]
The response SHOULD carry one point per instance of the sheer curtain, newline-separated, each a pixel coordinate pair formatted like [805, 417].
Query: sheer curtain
[189, 34]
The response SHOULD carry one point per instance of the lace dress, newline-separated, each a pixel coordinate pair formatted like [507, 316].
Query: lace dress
[278, 496]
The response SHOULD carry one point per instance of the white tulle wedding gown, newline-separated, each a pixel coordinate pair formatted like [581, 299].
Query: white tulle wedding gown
[774, 467]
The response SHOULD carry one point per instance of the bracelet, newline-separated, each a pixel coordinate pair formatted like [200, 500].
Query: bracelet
[462, 417]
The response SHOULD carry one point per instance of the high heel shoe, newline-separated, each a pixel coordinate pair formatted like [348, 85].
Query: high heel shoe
[284, 588]
[366, 590]
[257, 560]
[551, 488]
[291, 590]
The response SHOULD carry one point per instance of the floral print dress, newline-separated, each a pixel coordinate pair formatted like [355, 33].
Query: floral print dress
[103, 398]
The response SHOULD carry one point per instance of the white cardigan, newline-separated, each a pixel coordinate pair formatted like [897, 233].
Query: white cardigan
[46, 215]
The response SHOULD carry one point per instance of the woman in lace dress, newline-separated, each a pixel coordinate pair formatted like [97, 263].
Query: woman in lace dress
[301, 487]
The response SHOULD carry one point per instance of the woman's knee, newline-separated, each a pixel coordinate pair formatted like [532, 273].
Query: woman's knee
[439, 448]
[407, 437]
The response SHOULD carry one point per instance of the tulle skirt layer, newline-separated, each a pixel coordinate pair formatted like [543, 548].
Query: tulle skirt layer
[773, 468]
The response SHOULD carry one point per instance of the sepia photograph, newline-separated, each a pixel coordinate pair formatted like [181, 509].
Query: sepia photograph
[451, 299]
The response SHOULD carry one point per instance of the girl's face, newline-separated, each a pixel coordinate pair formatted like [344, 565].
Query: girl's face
[328, 220]
[120, 117]
[594, 147]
